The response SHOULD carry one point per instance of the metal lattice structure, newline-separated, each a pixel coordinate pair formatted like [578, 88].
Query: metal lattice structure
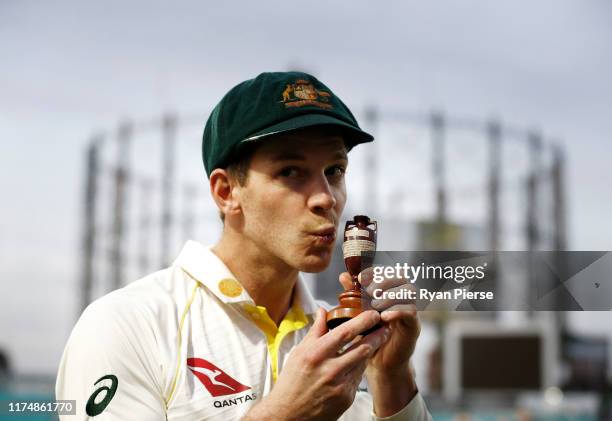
[146, 191]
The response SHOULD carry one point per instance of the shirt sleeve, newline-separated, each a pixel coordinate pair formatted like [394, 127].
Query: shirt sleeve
[109, 365]
[363, 409]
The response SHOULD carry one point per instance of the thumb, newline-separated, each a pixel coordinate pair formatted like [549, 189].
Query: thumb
[319, 327]
[346, 281]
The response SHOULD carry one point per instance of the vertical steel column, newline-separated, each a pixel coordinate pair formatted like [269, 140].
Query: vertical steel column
[559, 225]
[494, 132]
[535, 152]
[372, 204]
[438, 127]
[534, 141]
[169, 124]
[558, 193]
[144, 226]
[89, 221]
[124, 136]
[494, 136]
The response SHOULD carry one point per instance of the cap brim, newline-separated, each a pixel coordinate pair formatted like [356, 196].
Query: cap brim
[352, 134]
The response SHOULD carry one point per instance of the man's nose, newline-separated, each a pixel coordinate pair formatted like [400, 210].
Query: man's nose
[321, 195]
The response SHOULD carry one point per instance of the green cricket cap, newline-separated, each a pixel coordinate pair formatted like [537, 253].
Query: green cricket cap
[273, 103]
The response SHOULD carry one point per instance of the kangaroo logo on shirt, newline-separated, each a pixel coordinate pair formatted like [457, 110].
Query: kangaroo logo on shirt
[215, 380]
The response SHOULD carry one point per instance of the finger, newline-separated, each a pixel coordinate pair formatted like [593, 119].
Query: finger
[387, 284]
[398, 307]
[319, 327]
[337, 338]
[346, 281]
[363, 349]
[408, 321]
[353, 377]
[407, 316]
[399, 296]
[366, 277]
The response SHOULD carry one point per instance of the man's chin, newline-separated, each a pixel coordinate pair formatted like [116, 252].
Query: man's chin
[316, 263]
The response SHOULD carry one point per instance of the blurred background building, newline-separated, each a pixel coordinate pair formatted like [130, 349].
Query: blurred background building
[492, 126]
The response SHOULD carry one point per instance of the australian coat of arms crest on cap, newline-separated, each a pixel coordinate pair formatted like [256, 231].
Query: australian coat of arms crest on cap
[302, 93]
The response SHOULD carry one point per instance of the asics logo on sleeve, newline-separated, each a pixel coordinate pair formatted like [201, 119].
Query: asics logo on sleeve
[215, 380]
[94, 405]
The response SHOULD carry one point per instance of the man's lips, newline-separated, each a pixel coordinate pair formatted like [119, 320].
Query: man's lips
[325, 236]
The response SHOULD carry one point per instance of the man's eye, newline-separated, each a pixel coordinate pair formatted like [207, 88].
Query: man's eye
[289, 172]
[336, 170]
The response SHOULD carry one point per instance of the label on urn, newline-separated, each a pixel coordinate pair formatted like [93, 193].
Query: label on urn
[356, 232]
[351, 248]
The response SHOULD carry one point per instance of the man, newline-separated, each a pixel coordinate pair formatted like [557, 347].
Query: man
[230, 331]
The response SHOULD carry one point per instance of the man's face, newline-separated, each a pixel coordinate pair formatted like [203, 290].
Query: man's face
[294, 196]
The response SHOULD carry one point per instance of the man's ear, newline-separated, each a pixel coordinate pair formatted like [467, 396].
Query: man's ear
[225, 191]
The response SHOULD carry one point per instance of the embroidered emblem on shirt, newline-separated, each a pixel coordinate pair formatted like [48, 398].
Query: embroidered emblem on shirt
[230, 287]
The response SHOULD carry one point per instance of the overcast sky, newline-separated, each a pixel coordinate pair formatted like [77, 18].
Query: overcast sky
[72, 68]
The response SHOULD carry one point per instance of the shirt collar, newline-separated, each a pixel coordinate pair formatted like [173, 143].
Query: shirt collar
[204, 266]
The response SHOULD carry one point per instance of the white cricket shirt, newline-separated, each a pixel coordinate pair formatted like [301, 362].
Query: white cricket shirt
[186, 343]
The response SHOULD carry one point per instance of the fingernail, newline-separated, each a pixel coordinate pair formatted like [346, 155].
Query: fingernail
[386, 335]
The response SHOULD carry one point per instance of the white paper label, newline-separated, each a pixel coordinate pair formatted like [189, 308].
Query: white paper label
[351, 248]
[354, 232]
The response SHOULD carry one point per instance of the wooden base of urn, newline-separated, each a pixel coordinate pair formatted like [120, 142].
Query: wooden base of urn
[351, 304]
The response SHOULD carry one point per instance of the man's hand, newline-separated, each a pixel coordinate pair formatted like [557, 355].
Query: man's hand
[319, 381]
[390, 378]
